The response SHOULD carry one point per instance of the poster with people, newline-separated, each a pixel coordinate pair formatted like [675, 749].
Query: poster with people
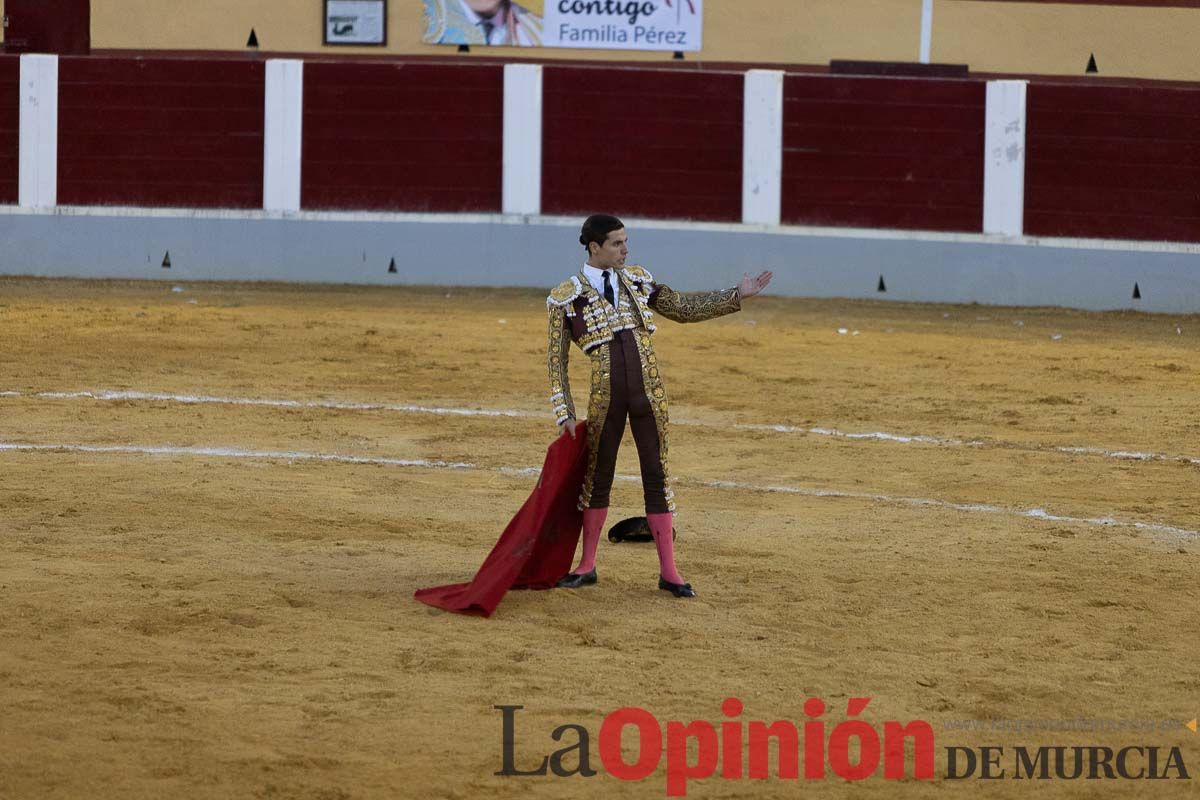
[595, 24]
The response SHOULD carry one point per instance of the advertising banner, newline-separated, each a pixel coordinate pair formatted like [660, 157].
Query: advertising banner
[596, 24]
[629, 25]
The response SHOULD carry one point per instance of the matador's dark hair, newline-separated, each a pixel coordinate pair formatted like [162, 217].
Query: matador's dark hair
[596, 228]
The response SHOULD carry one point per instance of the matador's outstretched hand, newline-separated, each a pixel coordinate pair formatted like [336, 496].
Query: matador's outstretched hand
[748, 286]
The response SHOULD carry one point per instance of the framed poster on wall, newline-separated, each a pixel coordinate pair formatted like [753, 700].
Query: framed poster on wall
[356, 22]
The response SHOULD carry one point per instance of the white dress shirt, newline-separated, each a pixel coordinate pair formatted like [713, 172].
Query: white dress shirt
[595, 277]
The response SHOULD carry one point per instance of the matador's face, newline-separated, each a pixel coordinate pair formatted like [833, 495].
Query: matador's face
[611, 254]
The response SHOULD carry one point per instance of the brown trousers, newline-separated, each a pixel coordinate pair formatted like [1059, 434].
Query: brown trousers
[629, 400]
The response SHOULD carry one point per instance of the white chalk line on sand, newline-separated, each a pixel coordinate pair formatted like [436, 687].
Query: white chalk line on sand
[252, 401]
[971, 508]
[230, 452]
[119, 395]
[803, 491]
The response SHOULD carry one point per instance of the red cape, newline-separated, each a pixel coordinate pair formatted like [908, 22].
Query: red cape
[538, 545]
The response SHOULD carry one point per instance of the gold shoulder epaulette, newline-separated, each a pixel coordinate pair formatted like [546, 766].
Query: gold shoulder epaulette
[565, 292]
[638, 274]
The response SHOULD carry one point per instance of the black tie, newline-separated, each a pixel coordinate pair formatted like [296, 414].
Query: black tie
[608, 291]
[488, 27]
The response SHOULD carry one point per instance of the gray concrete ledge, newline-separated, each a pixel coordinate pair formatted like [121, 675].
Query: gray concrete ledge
[497, 250]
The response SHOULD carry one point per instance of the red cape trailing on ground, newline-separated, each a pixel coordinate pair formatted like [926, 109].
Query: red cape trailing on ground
[538, 545]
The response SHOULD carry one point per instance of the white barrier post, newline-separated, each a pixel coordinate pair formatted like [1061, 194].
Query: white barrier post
[1004, 159]
[37, 171]
[762, 146]
[926, 30]
[521, 191]
[283, 134]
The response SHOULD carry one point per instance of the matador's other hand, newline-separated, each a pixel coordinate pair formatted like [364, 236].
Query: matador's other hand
[567, 427]
[748, 287]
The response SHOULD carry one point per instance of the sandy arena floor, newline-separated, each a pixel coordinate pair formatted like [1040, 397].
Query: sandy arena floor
[239, 622]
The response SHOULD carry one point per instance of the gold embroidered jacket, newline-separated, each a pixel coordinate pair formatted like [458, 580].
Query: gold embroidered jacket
[579, 314]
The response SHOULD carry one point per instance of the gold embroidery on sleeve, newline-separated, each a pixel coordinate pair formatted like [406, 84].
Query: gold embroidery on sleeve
[557, 356]
[695, 306]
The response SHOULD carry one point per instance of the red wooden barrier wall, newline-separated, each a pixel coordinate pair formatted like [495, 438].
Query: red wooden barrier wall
[402, 137]
[642, 142]
[1103, 161]
[1113, 162]
[47, 26]
[883, 152]
[160, 132]
[10, 112]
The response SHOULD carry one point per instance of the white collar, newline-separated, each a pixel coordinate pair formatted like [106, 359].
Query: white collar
[596, 273]
[595, 276]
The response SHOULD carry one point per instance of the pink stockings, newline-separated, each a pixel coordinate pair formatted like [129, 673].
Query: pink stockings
[593, 521]
[664, 539]
[661, 528]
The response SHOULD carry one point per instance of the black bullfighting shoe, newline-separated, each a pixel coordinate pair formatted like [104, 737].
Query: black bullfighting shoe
[573, 581]
[677, 589]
